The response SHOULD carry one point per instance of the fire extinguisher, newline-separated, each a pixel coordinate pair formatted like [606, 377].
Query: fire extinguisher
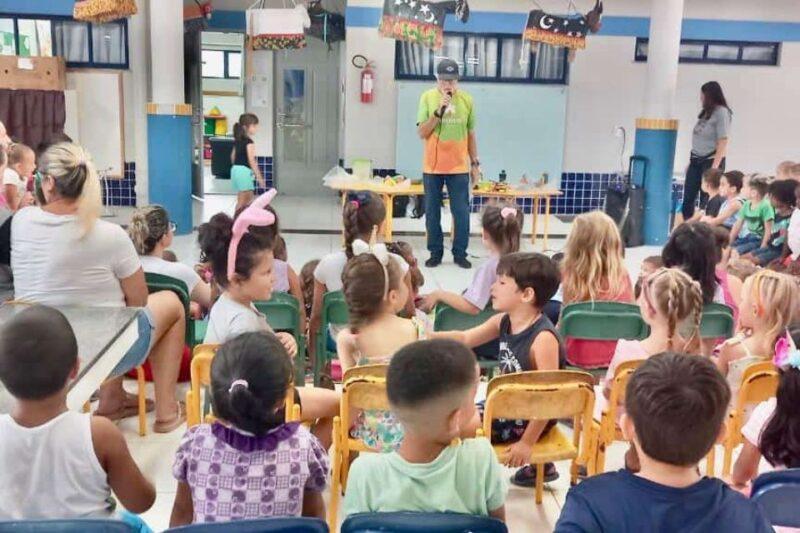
[367, 77]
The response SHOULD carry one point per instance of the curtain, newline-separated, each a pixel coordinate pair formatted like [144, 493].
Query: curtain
[30, 116]
[549, 62]
[108, 43]
[516, 58]
[71, 41]
[416, 59]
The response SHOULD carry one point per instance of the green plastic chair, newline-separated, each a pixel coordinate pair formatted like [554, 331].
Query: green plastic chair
[602, 321]
[283, 314]
[334, 312]
[446, 318]
[160, 282]
[716, 322]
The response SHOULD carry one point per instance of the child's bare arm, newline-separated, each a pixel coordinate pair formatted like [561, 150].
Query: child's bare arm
[746, 467]
[316, 314]
[313, 504]
[183, 508]
[499, 513]
[346, 347]
[456, 301]
[296, 290]
[133, 490]
[767, 233]
[476, 336]
[736, 229]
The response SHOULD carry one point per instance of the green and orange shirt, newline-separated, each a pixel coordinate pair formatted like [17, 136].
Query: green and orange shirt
[446, 150]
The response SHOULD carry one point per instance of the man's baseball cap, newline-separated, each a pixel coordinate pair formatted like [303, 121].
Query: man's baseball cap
[447, 69]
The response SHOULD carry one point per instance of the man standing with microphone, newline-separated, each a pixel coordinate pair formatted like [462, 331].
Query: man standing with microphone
[446, 122]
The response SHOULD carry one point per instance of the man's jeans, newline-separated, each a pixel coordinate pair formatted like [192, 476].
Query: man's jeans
[458, 191]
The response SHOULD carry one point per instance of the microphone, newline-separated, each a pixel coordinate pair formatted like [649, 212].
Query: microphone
[447, 108]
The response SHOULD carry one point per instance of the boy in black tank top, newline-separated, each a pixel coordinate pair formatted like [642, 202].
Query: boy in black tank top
[528, 341]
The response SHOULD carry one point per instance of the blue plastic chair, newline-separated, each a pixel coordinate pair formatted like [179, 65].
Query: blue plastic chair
[77, 525]
[777, 494]
[261, 525]
[406, 522]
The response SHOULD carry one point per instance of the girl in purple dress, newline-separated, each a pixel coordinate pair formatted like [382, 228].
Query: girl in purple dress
[250, 463]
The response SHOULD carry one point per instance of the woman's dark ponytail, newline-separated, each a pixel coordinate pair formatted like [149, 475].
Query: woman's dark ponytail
[240, 128]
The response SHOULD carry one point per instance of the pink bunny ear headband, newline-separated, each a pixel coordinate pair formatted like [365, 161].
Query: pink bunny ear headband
[253, 215]
[786, 353]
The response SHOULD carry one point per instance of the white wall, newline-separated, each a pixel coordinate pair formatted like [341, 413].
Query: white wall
[259, 98]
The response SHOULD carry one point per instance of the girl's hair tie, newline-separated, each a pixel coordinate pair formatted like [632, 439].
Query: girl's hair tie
[238, 383]
[786, 353]
[355, 203]
[508, 212]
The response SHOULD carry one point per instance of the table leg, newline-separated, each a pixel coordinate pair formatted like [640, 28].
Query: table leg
[388, 202]
[546, 219]
[534, 219]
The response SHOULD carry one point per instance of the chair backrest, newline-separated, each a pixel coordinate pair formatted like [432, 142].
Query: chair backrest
[361, 393]
[160, 282]
[261, 525]
[282, 311]
[407, 522]
[447, 318]
[602, 321]
[334, 311]
[777, 494]
[759, 383]
[363, 371]
[540, 377]
[75, 525]
[538, 402]
[622, 375]
[716, 322]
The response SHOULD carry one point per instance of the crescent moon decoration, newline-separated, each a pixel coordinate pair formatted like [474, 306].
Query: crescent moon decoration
[418, 21]
[544, 24]
[569, 32]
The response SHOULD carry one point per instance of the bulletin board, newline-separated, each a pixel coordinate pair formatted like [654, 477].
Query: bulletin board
[520, 129]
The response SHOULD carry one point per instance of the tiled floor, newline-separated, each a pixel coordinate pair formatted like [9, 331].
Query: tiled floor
[154, 453]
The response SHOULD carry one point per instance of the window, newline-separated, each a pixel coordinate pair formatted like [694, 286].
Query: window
[495, 58]
[222, 64]
[81, 44]
[723, 52]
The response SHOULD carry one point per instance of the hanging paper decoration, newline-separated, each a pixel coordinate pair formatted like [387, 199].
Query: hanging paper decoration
[277, 29]
[418, 21]
[103, 10]
[569, 32]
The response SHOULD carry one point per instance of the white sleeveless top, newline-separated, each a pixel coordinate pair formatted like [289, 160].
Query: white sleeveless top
[51, 471]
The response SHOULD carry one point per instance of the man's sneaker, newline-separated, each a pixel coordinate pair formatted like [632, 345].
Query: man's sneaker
[433, 262]
[462, 262]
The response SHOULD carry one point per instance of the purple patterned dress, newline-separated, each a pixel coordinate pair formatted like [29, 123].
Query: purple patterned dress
[234, 475]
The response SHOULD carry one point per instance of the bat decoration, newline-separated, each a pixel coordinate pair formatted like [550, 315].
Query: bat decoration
[569, 32]
[418, 21]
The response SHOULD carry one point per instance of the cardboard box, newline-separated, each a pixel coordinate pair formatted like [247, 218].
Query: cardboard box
[41, 73]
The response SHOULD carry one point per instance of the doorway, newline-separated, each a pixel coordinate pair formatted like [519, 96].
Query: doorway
[306, 117]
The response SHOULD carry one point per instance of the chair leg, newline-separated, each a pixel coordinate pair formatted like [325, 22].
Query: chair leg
[573, 472]
[142, 402]
[711, 460]
[539, 482]
[345, 468]
[727, 458]
[333, 506]
[192, 416]
[600, 458]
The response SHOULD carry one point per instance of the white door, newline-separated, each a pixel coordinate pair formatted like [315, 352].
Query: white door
[306, 117]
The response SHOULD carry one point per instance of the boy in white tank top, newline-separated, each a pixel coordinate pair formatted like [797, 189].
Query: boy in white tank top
[56, 463]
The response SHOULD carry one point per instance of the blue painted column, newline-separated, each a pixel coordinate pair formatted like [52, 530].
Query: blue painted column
[655, 140]
[657, 130]
[169, 160]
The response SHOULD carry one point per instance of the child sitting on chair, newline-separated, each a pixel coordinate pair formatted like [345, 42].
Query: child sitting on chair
[431, 387]
[57, 463]
[675, 411]
[250, 463]
[528, 341]
[502, 227]
[19, 170]
[240, 253]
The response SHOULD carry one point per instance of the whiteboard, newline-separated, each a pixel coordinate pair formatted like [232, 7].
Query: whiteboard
[95, 117]
[520, 129]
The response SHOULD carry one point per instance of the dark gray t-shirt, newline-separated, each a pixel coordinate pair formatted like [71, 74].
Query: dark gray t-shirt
[708, 131]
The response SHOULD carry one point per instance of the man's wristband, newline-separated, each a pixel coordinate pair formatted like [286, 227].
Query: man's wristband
[438, 114]
[475, 163]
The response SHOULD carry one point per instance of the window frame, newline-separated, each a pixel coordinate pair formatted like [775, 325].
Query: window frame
[89, 26]
[529, 80]
[225, 63]
[775, 62]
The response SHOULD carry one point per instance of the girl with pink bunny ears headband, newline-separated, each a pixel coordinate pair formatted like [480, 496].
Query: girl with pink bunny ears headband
[253, 215]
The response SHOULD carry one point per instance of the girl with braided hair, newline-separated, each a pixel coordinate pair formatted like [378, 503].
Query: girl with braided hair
[668, 298]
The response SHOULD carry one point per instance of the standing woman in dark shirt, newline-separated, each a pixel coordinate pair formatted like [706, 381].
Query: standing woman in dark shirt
[709, 143]
[244, 171]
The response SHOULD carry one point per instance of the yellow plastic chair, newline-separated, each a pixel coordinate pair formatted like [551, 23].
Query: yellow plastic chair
[364, 387]
[201, 377]
[142, 399]
[606, 430]
[759, 383]
[546, 395]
